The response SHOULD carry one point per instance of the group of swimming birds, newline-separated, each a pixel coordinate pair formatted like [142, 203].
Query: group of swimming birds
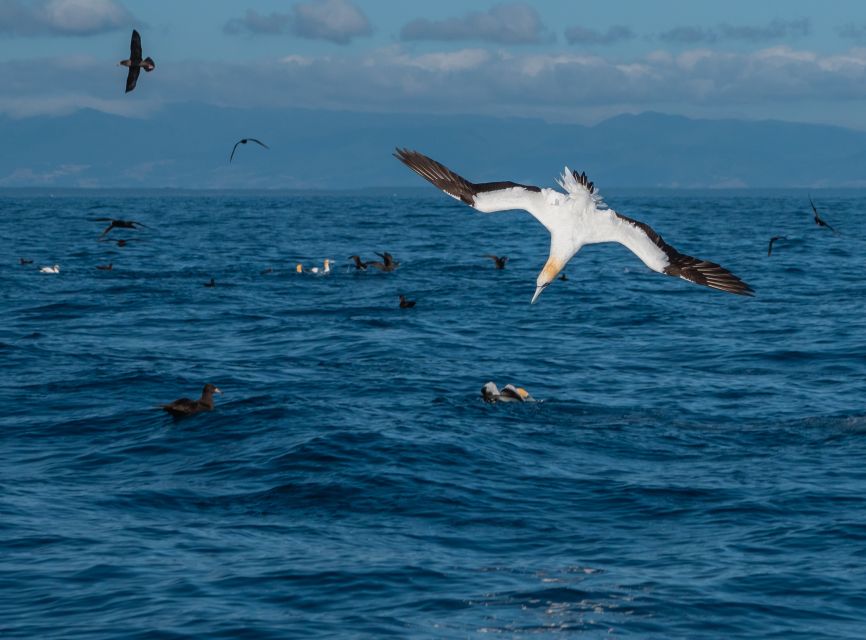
[574, 217]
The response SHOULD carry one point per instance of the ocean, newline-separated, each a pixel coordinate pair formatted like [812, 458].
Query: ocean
[693, 466]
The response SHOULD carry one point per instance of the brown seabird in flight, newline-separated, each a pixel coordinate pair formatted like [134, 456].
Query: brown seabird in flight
[574, 219]
[818, 219]
[359, 265]
[770, 246]
[244, 141]
[118, 224]
[185, 407]
[135, 63]
[500, 262]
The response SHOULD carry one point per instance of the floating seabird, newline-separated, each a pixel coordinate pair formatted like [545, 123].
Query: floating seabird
[299, 268]
[389, 263]
[406, 304]
[23, 261]
[54, 269]
[563, 277]
[500, 262]
[267, 271]
[490, 393]
[185, 407]
[135, 63]
[212, 283]
[244, 141]
[325, 269]
[772, 240]
[359, 265]
[574, 219]
[105, 267]
[118, 224]
[818, 219]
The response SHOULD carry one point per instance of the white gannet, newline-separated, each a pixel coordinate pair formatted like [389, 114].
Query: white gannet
[490, 393]
[324, 270]
[574, 219]
[54, 269]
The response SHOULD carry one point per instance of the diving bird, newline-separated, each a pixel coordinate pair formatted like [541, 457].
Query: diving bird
[184, 407]
[244, 141]
[406, 304]
[574, 219]
[359, 265]
[389, 263]
[772, 240]
[500, 262]
[118, 224]
[54, 269]
[818, 219]
[135, 63]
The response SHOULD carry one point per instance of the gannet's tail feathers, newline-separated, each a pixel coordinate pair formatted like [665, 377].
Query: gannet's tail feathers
[454, 185]
[703, 272]
[577, 184]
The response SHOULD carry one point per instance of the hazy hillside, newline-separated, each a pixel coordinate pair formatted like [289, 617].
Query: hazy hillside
[188, 146]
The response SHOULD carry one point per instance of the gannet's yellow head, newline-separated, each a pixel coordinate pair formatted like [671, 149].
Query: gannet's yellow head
[523, 393]
[299, 268]
[327, 264]
[551, 269]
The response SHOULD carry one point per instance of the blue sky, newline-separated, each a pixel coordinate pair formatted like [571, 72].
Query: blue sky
[562, 61]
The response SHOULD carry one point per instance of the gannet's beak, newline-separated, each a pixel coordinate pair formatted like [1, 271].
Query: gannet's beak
[216, 390]
[538, 291]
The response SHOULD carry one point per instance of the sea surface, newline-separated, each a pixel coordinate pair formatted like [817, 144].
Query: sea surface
[695, 466]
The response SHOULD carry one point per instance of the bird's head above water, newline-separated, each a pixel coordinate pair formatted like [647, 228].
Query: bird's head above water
[210, 389]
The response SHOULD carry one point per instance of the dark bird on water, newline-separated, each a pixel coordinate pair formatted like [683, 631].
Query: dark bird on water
[563, 277]
[406, 304]
[118, 224]
[772, 240]
[105, 267]
[818, 219]
[135, 63]
[389, 263]
[267, 271]
[359, 265]
[212, 283]
[184, 407]
[244, 141]
[23, 261]
[500, 262]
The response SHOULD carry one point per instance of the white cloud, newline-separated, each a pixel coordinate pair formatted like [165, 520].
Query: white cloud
[62, 17]
[512, 23]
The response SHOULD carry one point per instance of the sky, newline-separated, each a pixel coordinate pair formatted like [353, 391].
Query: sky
[562, 61]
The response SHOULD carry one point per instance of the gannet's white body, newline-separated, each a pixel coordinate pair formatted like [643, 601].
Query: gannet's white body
[575, 218]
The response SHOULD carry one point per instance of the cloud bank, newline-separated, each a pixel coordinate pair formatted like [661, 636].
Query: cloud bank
[582, 35]
[338, 21]
[775, 30]
[512, 23]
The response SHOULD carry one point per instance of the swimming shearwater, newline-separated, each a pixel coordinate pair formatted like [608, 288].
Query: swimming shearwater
[185, 407]
[118, 224]
[105, 267]
[406, 304]
[23, 261]
[244, 141]
[500, 261]
[818, 219]
[135, 63]
[574, 219]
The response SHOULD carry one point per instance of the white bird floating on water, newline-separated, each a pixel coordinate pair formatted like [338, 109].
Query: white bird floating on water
[324, 270]
[54, 269]
[509, 393]
[574, 219]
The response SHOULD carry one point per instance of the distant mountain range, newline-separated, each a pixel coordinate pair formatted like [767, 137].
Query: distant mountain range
[188, 146]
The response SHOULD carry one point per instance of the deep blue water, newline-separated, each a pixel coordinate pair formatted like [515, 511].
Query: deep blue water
[695, 470]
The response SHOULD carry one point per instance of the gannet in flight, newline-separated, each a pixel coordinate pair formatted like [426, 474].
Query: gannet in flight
[574, 219]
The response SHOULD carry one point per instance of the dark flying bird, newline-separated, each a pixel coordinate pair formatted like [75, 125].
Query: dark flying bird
[818, 219]
[500, 262]
[184, 407]
[359, 265]
[772, 240]
[23, 261]
[574, 219]
[406, 304]
[118, 224]
[135, 63]
[244, 141]
[105, 267]
[212, 283]
[389, 263]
